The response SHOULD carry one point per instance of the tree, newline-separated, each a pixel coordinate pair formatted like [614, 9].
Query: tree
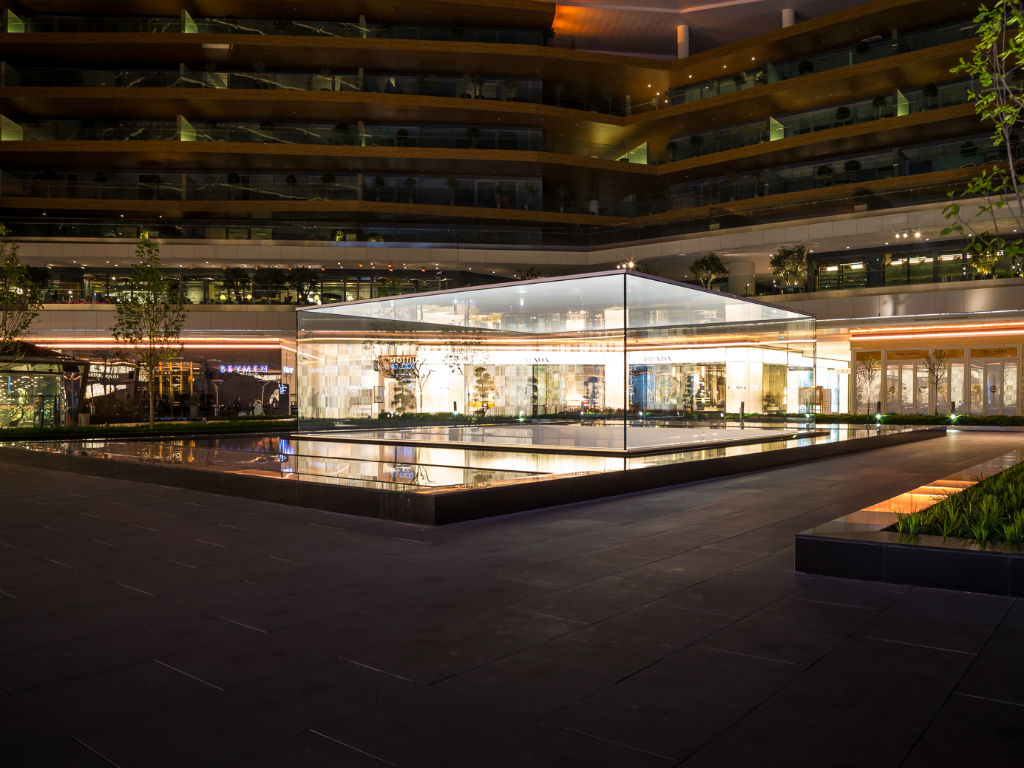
[936, 363]
[789, 264]
[19, 301]
[270, 280]
[303, 280]
[709, 268]
[995, 66]
[462, 346]
[483, 388]
[868, 368]
[149, 323]
[394, 356]
[985, 256]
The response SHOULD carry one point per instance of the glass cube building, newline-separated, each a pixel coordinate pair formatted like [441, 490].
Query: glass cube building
[617, 352]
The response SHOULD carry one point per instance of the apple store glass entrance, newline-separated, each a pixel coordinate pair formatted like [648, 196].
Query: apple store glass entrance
[609, 361]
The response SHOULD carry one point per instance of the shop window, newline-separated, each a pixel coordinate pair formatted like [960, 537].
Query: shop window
[950, 267]
[920, 269]
[853, 275]
[956, 387]
[922, 388]
[895, 270]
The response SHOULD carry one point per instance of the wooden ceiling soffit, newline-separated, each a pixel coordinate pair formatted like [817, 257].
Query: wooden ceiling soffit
[833, 30]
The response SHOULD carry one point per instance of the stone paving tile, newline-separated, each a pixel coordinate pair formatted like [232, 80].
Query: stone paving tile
[450, 720]
[998, 670]
[556, 747]
[634, 640]
[939, 618]
[974, 732]
[771, 739]
[769, 634]
[738, 593]
[895, 693]
[149, 626]
[674, 707]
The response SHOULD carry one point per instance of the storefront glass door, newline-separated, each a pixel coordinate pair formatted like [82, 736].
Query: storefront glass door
[977, 385]
[1010, 374]
[993, 389]
[923, 389]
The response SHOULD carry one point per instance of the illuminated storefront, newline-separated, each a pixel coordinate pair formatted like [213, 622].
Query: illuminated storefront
[601, 345]
[939, 368]
[40, 389]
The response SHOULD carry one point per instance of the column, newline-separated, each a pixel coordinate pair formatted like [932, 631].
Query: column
[682, 41]
[788, 17]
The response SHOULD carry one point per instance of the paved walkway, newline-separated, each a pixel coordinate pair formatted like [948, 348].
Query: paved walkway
[150, 626]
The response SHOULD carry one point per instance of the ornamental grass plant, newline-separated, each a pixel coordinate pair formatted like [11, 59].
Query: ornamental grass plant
[990, 512]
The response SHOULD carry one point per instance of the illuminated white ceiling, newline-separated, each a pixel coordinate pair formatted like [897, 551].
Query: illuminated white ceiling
[648, 27]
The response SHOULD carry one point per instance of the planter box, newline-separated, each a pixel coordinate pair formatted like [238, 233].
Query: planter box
[856, 546]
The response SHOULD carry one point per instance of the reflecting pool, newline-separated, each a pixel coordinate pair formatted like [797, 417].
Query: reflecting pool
[419, 468]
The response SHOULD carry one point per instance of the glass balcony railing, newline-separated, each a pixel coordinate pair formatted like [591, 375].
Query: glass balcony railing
[907, 161]
[490, 88]
[296, 27]
[864, 51]
[703, 144]
[267, 132]
[779, 127]
[304, 226]
[528, 90]
[490, 192]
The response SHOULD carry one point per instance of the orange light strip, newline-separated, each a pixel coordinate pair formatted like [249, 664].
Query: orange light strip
[110, 339]
[871, 332]
[950, 335]
[78, 345]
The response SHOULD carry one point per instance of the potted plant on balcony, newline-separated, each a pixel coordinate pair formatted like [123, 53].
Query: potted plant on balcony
[805, 67]
[379, 184]
[825, 173]
[452, 185]
[671, 148]
[843, 115]
[931, 95]
[473, 137]
[410, 187]
[696, 144]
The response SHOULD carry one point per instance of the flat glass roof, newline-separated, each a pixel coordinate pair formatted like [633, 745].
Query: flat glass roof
[593, 301]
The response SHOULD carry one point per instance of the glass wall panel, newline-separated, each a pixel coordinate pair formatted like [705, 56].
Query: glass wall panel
[994, 388]
[956, 387]
[977, 385]
[614, 352]
[1010, 374]
[923, 389]
[942, 391]
[868, 381]
[892, 389]
[907, 389]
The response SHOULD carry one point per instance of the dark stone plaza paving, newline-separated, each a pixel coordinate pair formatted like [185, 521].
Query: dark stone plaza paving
[151, 626]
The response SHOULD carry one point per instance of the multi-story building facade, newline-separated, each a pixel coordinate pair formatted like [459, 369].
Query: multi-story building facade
[420, 145]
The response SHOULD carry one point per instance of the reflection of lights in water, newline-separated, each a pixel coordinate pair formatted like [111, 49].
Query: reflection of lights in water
[427, 468]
